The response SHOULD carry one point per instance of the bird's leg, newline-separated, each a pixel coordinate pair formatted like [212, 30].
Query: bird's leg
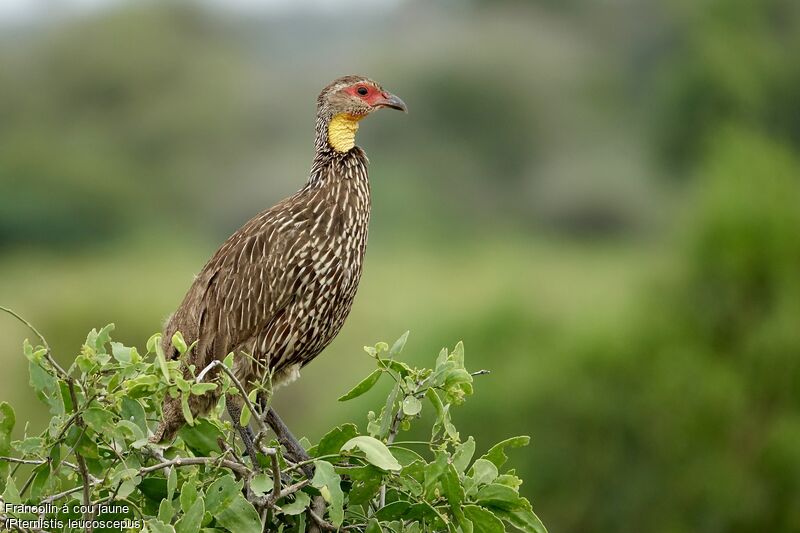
[234, 404]
[285, 437]
[298, 453]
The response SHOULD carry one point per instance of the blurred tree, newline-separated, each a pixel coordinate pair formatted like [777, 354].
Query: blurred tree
[132, 107]
[729, 61]
[687, 420]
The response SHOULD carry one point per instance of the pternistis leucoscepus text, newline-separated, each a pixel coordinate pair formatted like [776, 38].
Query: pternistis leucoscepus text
[280, 288]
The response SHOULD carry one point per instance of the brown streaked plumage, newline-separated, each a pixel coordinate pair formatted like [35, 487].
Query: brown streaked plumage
[281, 287]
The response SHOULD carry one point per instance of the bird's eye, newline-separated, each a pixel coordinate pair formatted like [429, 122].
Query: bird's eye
[362, 91]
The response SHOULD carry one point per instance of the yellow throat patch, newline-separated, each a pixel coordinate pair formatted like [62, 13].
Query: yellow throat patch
[342, 131]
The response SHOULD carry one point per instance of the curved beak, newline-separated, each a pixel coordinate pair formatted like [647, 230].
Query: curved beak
[391, 101]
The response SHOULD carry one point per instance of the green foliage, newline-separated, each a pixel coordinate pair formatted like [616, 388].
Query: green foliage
[731, 64]
[694, 401]
[200, 482]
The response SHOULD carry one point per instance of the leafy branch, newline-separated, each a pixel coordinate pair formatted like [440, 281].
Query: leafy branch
[94, 460]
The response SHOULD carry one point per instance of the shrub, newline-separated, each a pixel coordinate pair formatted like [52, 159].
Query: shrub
[94, 461]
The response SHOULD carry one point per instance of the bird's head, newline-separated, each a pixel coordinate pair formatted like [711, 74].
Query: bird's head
[347, 100]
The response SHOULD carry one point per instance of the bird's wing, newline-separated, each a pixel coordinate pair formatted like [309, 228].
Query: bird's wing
[249, 280]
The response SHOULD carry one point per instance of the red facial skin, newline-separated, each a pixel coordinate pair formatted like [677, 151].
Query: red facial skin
[373, 97]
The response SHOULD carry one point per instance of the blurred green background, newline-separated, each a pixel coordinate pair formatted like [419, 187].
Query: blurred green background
[602, 199]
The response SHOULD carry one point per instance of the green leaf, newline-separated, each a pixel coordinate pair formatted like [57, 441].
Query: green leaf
[463, 454]
[433, 471]
[261, 484]
[388, 411]
[7, 422]
[29, 446]
[399, 344]
[230, 508]
[100, 420]
[165, 511]
[483, 520]
[157, 526]
[333, 441]
[172, 482]
[102, 338]
[202, 438]
[187, 412]
[458, 354]
[523, 519]
[46, 387]
[133, 411]
[221, 493]
[373, 527]
[509, 480]
[424, 511]
[192, 519]
[11, 493]
[329, 483]
[199, 389]
[182, 384]
[497, 454]
[393, 511]
[501, 497]
[405, 456]
[483, 472]
[87, 447]
[162, 360]
[179, 343]
[442, 358]
[375, 451]
[436, 401]
[366, 481]
[411, 405]
[299, 505]
[189, 494]
[66, 400]
[155, 488]
[244, 416]
[41, 475]
[122, 353]
[454, 492]
[398, 366]
[152, 342]
[127, 487]
[141, 386]
[365, 385]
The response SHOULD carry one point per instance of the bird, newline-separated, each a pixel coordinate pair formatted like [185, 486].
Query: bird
[279, 289]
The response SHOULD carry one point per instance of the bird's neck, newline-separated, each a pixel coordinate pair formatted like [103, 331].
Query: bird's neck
[336, 156]
[335, 133]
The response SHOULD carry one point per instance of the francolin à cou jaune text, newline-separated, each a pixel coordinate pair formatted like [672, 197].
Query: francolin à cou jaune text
[277, 292]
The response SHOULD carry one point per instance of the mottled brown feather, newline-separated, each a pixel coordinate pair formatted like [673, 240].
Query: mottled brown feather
[279, 289]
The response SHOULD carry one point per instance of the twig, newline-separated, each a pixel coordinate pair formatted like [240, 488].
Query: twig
[276, 476]
[393, 431]
[84, 472]
[48, 354]
[309, 461]
[178, 462]
[321, 522]
[192, 461]
[238, 384]
[291, 489]
[59, 495]
[23, 461]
